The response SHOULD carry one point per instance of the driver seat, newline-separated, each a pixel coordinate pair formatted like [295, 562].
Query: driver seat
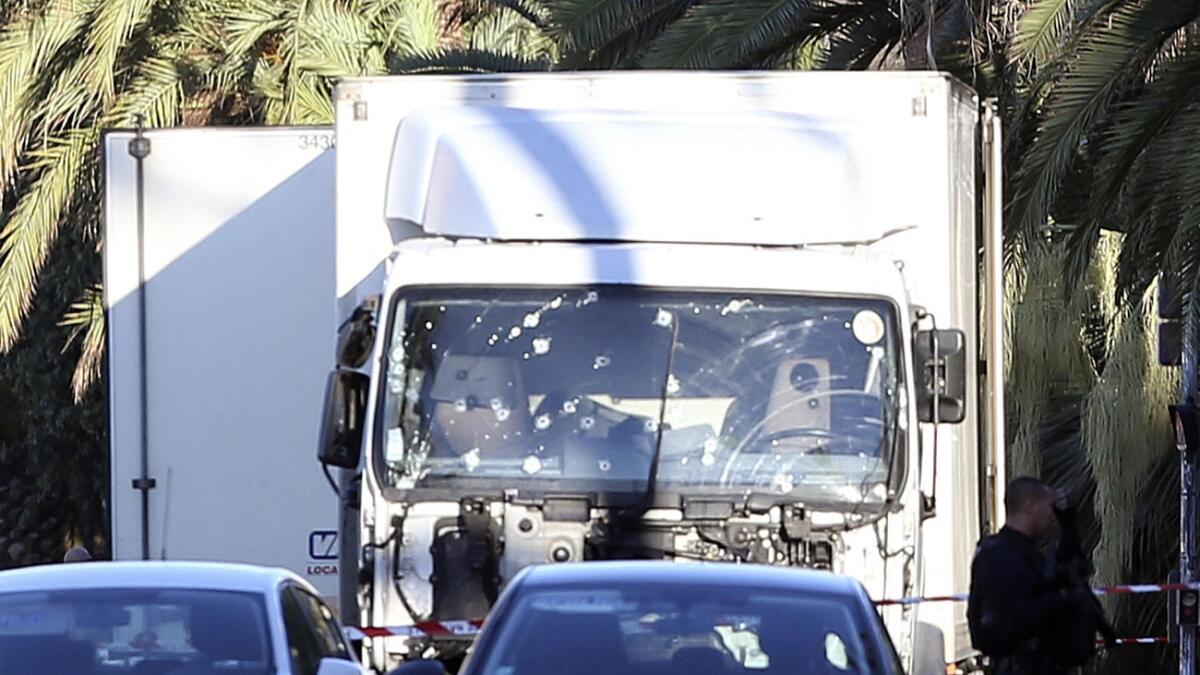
[479, 402]
[798, 400]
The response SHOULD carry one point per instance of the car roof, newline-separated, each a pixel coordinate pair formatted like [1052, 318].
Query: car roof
[612, 573]
[146, 574]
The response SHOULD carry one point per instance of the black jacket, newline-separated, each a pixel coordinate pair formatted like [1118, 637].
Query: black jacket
[1015, 598]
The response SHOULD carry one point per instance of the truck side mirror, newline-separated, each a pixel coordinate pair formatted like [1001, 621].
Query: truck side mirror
[357, 336]
[342, 424]
[940, 361]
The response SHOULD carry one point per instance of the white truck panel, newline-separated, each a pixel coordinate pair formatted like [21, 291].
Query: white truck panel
[621, 175]
[911, 138]
[239, 327]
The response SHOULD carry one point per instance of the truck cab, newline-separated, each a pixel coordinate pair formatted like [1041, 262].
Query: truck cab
[686, 316]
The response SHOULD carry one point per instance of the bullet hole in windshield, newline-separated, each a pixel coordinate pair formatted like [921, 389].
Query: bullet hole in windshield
[601, 361]
[471, 459]
[532, 320]
[672, 385]
[531, 465]
[541, 346]
[735, 306]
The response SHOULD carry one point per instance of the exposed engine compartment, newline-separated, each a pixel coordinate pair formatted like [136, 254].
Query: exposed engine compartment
[449, 566]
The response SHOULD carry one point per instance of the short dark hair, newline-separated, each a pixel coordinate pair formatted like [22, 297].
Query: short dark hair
[1021, 491]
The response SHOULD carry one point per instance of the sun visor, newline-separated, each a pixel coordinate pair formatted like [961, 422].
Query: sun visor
[523, 174]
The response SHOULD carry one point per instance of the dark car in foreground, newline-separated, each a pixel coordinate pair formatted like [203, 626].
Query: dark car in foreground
[662, 618]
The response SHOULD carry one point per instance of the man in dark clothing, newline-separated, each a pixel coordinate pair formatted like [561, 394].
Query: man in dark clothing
[1019, 601]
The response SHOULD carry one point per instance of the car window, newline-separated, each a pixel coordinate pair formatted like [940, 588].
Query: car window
[679, 629]
[303, 643]
[325, 627]
[134, 630]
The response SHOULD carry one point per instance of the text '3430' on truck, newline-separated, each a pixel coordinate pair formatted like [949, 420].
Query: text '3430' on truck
[727, 317]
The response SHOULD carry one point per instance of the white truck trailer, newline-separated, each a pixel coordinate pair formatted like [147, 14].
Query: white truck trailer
[693, 316]
[219, 290]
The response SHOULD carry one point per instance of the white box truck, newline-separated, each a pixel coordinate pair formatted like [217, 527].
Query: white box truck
[694, 316]
[219, 290]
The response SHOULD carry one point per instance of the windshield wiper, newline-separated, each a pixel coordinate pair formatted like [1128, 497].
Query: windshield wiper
[662, 411]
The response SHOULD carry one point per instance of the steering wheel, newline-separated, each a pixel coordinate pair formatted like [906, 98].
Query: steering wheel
[553, 404]
[755, 435]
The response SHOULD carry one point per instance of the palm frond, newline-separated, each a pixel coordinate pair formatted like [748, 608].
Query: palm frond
[1102, 67]
[1155, 202]
[855, 34]
[32, 226]
[1127, 136]
[25, 48]
[111, 27]
[411, 27]
[338, 43]
[250, 22]
[312, 100]
[154, 93]
[86, 320]
[579, 26]
[530, 10]
[1040, 32]
[507, 32]
[626, 48]
[725, 33]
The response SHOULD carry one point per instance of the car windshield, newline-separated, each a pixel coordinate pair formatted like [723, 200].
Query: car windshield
[133, 631]
[669, 629]
[606, 388]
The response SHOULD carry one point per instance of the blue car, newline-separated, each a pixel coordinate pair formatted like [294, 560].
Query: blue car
[663, 618]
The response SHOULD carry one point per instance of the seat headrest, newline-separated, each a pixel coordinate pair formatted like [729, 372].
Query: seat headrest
[796, 395]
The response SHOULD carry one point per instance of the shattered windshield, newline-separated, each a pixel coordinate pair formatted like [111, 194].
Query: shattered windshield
[606, 388]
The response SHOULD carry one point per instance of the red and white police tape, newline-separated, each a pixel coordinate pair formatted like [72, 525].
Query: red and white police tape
[425, 629]
[466, 629]
[1136, 641]
[1103, 590]
[469, 629]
